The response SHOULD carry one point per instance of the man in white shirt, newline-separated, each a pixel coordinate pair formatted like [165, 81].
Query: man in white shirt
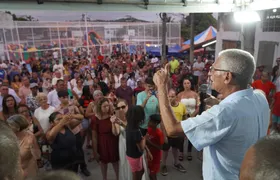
[117, 78]
[57, 77]
[55, 54]
[73, 82]
[198, 67]
[155, 62]
[53, 99]
[58, 67]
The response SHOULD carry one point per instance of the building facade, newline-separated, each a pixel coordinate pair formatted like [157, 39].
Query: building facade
[262, 39]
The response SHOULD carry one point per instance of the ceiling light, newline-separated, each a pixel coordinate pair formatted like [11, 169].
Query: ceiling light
[274, 10]
[246, 16]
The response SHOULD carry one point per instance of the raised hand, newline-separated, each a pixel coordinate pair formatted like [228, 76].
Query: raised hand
[161, 77]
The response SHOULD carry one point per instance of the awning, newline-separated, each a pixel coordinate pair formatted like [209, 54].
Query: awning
[208, 35]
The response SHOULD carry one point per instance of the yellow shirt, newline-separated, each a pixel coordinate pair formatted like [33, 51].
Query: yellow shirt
[179, 111]
[174, 65]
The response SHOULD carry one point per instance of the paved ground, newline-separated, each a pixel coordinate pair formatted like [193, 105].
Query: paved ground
[193, 170]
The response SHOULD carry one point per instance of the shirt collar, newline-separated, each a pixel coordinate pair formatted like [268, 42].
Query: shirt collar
[241, 93]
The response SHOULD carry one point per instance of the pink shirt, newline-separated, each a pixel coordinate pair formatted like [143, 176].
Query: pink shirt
[24, 92]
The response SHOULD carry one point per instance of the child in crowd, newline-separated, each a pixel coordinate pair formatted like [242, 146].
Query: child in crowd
[156, 140]
[135, 141]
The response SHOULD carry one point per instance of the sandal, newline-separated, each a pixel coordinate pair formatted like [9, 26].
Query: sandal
[189, 158]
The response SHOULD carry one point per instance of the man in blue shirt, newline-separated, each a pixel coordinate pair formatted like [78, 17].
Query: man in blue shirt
[3, 74]
[148, 100]
[227, 130]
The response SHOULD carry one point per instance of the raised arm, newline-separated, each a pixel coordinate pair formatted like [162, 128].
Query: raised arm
[171, 125]
[89, 111]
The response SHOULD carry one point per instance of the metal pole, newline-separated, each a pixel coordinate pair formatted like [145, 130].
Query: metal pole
[59, 41]
[50, 36]
[145, 39]
[242, 36]
[67, 36]
[158, 33]
[87, 33]
[12, 34]
[5, 45]
[164, 29]
[110, 40]
[192, 38]
[20, 53]
[179, 43]
[33, 37]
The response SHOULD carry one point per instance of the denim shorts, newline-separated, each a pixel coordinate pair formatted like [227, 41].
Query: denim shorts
[275, 119]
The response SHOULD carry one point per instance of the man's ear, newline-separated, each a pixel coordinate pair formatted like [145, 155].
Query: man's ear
[228, 77]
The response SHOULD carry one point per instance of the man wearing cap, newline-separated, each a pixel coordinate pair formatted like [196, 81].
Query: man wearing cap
[31, 99]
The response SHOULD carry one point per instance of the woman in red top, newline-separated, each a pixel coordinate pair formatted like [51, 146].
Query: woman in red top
[265, 85]
[105, 143]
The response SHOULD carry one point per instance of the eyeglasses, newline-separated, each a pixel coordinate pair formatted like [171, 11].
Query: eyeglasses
[121, 107]
[215, 69]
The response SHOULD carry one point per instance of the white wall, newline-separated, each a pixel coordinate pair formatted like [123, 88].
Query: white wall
[267, 36]
[259, 36]
[225, 35]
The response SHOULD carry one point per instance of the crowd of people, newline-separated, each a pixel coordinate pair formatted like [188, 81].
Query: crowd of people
[130, 110]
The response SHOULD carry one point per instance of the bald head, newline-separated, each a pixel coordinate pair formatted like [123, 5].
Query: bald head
[261, 161]
[172, 96]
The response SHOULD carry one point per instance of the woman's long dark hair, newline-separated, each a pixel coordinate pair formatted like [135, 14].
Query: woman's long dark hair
[181, 85]
[53, 116]
[203, 96]
[86, 93]
[14, 78]
[135, 116]
[5, 107]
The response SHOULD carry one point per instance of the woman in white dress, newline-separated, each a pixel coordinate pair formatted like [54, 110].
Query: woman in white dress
[192, 101]
[119, 122]
[118, 128]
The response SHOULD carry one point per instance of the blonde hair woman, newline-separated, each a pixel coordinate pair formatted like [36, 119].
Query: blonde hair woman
[44, 111]
[29, 148]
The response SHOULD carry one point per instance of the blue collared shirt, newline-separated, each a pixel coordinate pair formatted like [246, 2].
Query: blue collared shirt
[226, 131]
